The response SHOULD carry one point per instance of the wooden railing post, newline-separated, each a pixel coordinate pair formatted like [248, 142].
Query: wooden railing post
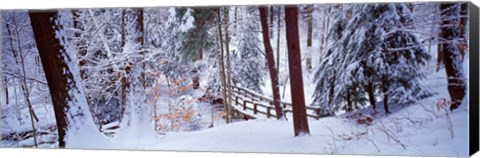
[268, 112]
[244, 105]
[254, 108]
[317, 112]
[236, 100]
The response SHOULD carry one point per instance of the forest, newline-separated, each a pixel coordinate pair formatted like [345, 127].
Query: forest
[368, 78]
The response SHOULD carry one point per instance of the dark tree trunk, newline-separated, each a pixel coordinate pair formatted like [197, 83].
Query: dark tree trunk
[300, 121]
[371, 95]
[309, 9]
[235, 22]
[123, 28]
[452, 53]
[385, 99]
[124, 78]
[349, 101]
[270, 13]
[331, 91]
[141, 39]
[271, 63]
[57, 72]
[140, 28]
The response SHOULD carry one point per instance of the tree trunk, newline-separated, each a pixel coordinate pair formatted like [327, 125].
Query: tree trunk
[331, 91]
[323, 40]
[140, 28]
[385, 103]
[271, 63]
[385, 99]
[309, 9]
[270, 27]
[440, 54]
[228, 72]
[123, 29]
[6, 90]
[300, 121]
[61, 81]
[124, 79]
[141, 39]
[371, 95]
[452, 54]
[235, 22]
[279, 9]
[463, 29]
[349, 101]
[222, 66]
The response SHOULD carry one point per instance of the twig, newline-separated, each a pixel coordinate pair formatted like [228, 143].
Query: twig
[390, 136]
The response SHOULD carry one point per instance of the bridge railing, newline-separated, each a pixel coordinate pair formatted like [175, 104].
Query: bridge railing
[264, 105]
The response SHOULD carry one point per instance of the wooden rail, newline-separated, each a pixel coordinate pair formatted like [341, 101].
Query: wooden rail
[260, 104]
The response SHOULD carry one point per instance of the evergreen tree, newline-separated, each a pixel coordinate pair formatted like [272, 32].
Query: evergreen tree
[374, 49]
[249, 70]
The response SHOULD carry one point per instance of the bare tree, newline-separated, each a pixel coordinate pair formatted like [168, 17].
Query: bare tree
[300, 121]
[271, 62]
[20, 61]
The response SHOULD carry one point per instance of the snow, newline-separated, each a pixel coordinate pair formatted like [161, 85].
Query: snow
[419, 129]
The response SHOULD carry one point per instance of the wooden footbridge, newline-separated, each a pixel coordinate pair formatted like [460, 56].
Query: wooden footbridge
[251, 105]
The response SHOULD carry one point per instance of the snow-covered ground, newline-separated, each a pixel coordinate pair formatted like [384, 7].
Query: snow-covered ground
[419, 129]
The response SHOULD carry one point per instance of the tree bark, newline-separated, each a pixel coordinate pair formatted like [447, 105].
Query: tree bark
[323, 40]
[331, 91]
[123, 29]
[371, 95]
[300, 121]
[141, 39]
[385, 99]
[452, 53]
[270, 13]
[463, 29]
[271, 63]
[349, 100]
[235, 22]
[222, 66]
[309, 9]
[61, 81]
[229, 72]
[278, 36]
[124, 80]
[6, 90]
